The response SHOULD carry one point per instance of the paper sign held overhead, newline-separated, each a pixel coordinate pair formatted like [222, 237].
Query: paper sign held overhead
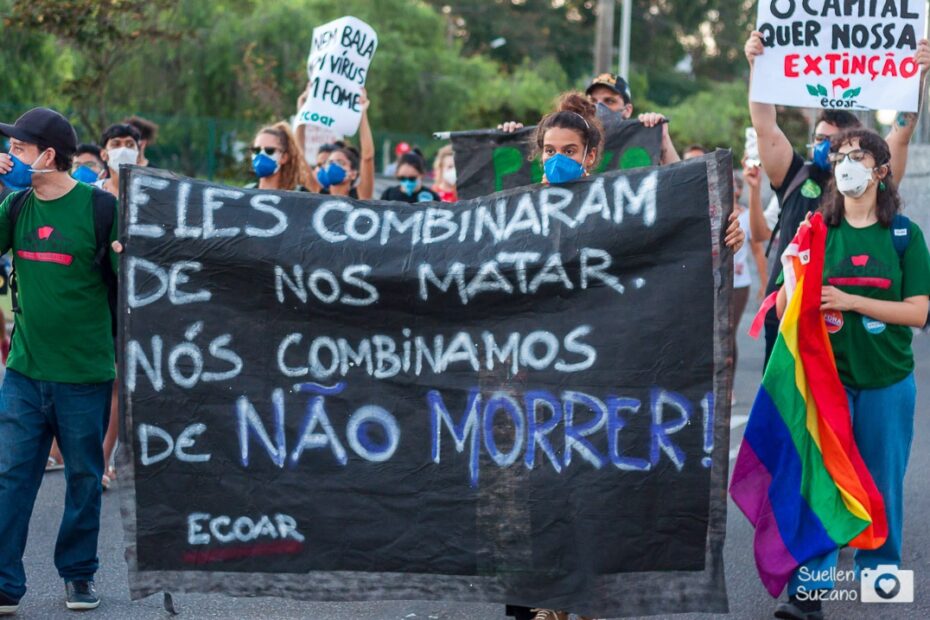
[340, 55]
[839, 55]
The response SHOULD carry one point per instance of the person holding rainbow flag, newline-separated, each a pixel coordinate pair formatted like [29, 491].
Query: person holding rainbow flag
[826, 447]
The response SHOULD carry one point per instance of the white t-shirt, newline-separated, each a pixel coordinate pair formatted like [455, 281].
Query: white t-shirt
[741, 277]
[772, 211]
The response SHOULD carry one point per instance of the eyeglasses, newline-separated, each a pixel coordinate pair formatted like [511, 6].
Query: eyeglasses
[408, 179]
[853, 155]
[269, 150]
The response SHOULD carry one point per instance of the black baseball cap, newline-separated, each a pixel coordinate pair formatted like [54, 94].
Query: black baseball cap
[614, 83]
[45, 127]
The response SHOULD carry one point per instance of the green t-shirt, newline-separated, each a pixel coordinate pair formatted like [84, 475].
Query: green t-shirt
[863, 261]
[63, 330]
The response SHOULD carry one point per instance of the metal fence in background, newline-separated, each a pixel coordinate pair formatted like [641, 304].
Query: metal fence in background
[217, 149]
[213, 148]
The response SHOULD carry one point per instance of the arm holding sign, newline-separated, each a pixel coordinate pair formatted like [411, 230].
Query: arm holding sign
[668, 154]
[300, 132]
[366, 183]
[774, 148]
[758, 228]
[906, 122]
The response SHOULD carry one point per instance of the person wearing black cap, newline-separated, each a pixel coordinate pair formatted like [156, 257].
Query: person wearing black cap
[611, 93]
[61, 364]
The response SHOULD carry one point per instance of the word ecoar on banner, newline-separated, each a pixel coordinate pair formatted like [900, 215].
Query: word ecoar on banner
[852, 54]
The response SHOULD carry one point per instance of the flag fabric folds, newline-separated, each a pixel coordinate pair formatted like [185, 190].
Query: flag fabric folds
[799, 477]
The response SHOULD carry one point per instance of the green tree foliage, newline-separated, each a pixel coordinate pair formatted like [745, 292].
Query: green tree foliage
[99, 33]
[211, 73]
[712, 32]
[524, 30]
[718, 117]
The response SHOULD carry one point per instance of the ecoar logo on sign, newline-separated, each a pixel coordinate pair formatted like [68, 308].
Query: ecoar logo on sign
[845, 100]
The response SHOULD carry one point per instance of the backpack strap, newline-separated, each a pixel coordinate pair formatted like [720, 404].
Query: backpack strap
[799, 179]
[900, 234]
[900, 238]
[104, 205]
[17, 202]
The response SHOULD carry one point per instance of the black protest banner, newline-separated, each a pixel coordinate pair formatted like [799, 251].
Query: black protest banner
[488, 161]
[516, 399]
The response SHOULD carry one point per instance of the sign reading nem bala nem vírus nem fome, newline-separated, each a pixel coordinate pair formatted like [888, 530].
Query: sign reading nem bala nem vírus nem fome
[337, 67]
[839, 54]
[502, 400]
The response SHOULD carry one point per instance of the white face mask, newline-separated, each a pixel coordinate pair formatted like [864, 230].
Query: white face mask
[120, 156]
[448, 176]
[852, 178]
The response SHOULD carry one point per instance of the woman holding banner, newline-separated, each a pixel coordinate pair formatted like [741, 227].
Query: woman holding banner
[876, 287]
[569, 142]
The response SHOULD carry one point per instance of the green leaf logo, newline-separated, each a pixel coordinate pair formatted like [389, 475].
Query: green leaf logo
[812, 90]
[822, 90]
[852, 92]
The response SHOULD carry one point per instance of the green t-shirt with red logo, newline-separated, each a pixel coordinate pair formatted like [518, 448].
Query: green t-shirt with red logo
[63, 330]
[863, 261]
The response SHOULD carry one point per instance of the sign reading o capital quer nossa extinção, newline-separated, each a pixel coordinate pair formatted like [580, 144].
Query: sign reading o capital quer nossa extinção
[522, 398]
[840, 54]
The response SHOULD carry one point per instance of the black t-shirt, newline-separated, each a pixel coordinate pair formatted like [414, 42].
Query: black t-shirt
[424, 194]
[795, 207]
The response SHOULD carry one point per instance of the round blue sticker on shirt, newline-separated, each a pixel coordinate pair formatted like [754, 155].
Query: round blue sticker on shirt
[424, 197]
[872, 326]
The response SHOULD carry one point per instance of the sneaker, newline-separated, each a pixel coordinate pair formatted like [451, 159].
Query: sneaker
[796, 609]
[8, 605]
[81, 594]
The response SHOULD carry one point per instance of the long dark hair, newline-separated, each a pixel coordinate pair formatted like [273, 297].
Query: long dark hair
[576, 112]
[889, 200]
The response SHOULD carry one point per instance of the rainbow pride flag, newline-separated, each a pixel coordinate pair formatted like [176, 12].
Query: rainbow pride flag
[799, 477]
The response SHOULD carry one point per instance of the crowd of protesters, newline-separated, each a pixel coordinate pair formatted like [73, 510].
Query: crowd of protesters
[58, 398]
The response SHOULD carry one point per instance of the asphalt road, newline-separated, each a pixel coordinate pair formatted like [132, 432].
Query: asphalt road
[45, 599]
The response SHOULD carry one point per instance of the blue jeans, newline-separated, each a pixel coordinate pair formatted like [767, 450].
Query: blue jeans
[31, 413]
[883, 425]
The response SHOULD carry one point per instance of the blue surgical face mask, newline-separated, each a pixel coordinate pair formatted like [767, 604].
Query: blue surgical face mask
[264, 166]
[822, 155]
[20, 175]
[409, 186]
[563, 169]
[331, 174]
[84, 175]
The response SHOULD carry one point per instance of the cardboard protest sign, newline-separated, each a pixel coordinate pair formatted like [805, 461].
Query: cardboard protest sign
[314, 138]
[505, 400]
[840, 55]
[337, 67]
[488, 161]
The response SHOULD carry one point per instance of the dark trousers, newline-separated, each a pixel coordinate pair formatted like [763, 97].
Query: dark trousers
[31, 414]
